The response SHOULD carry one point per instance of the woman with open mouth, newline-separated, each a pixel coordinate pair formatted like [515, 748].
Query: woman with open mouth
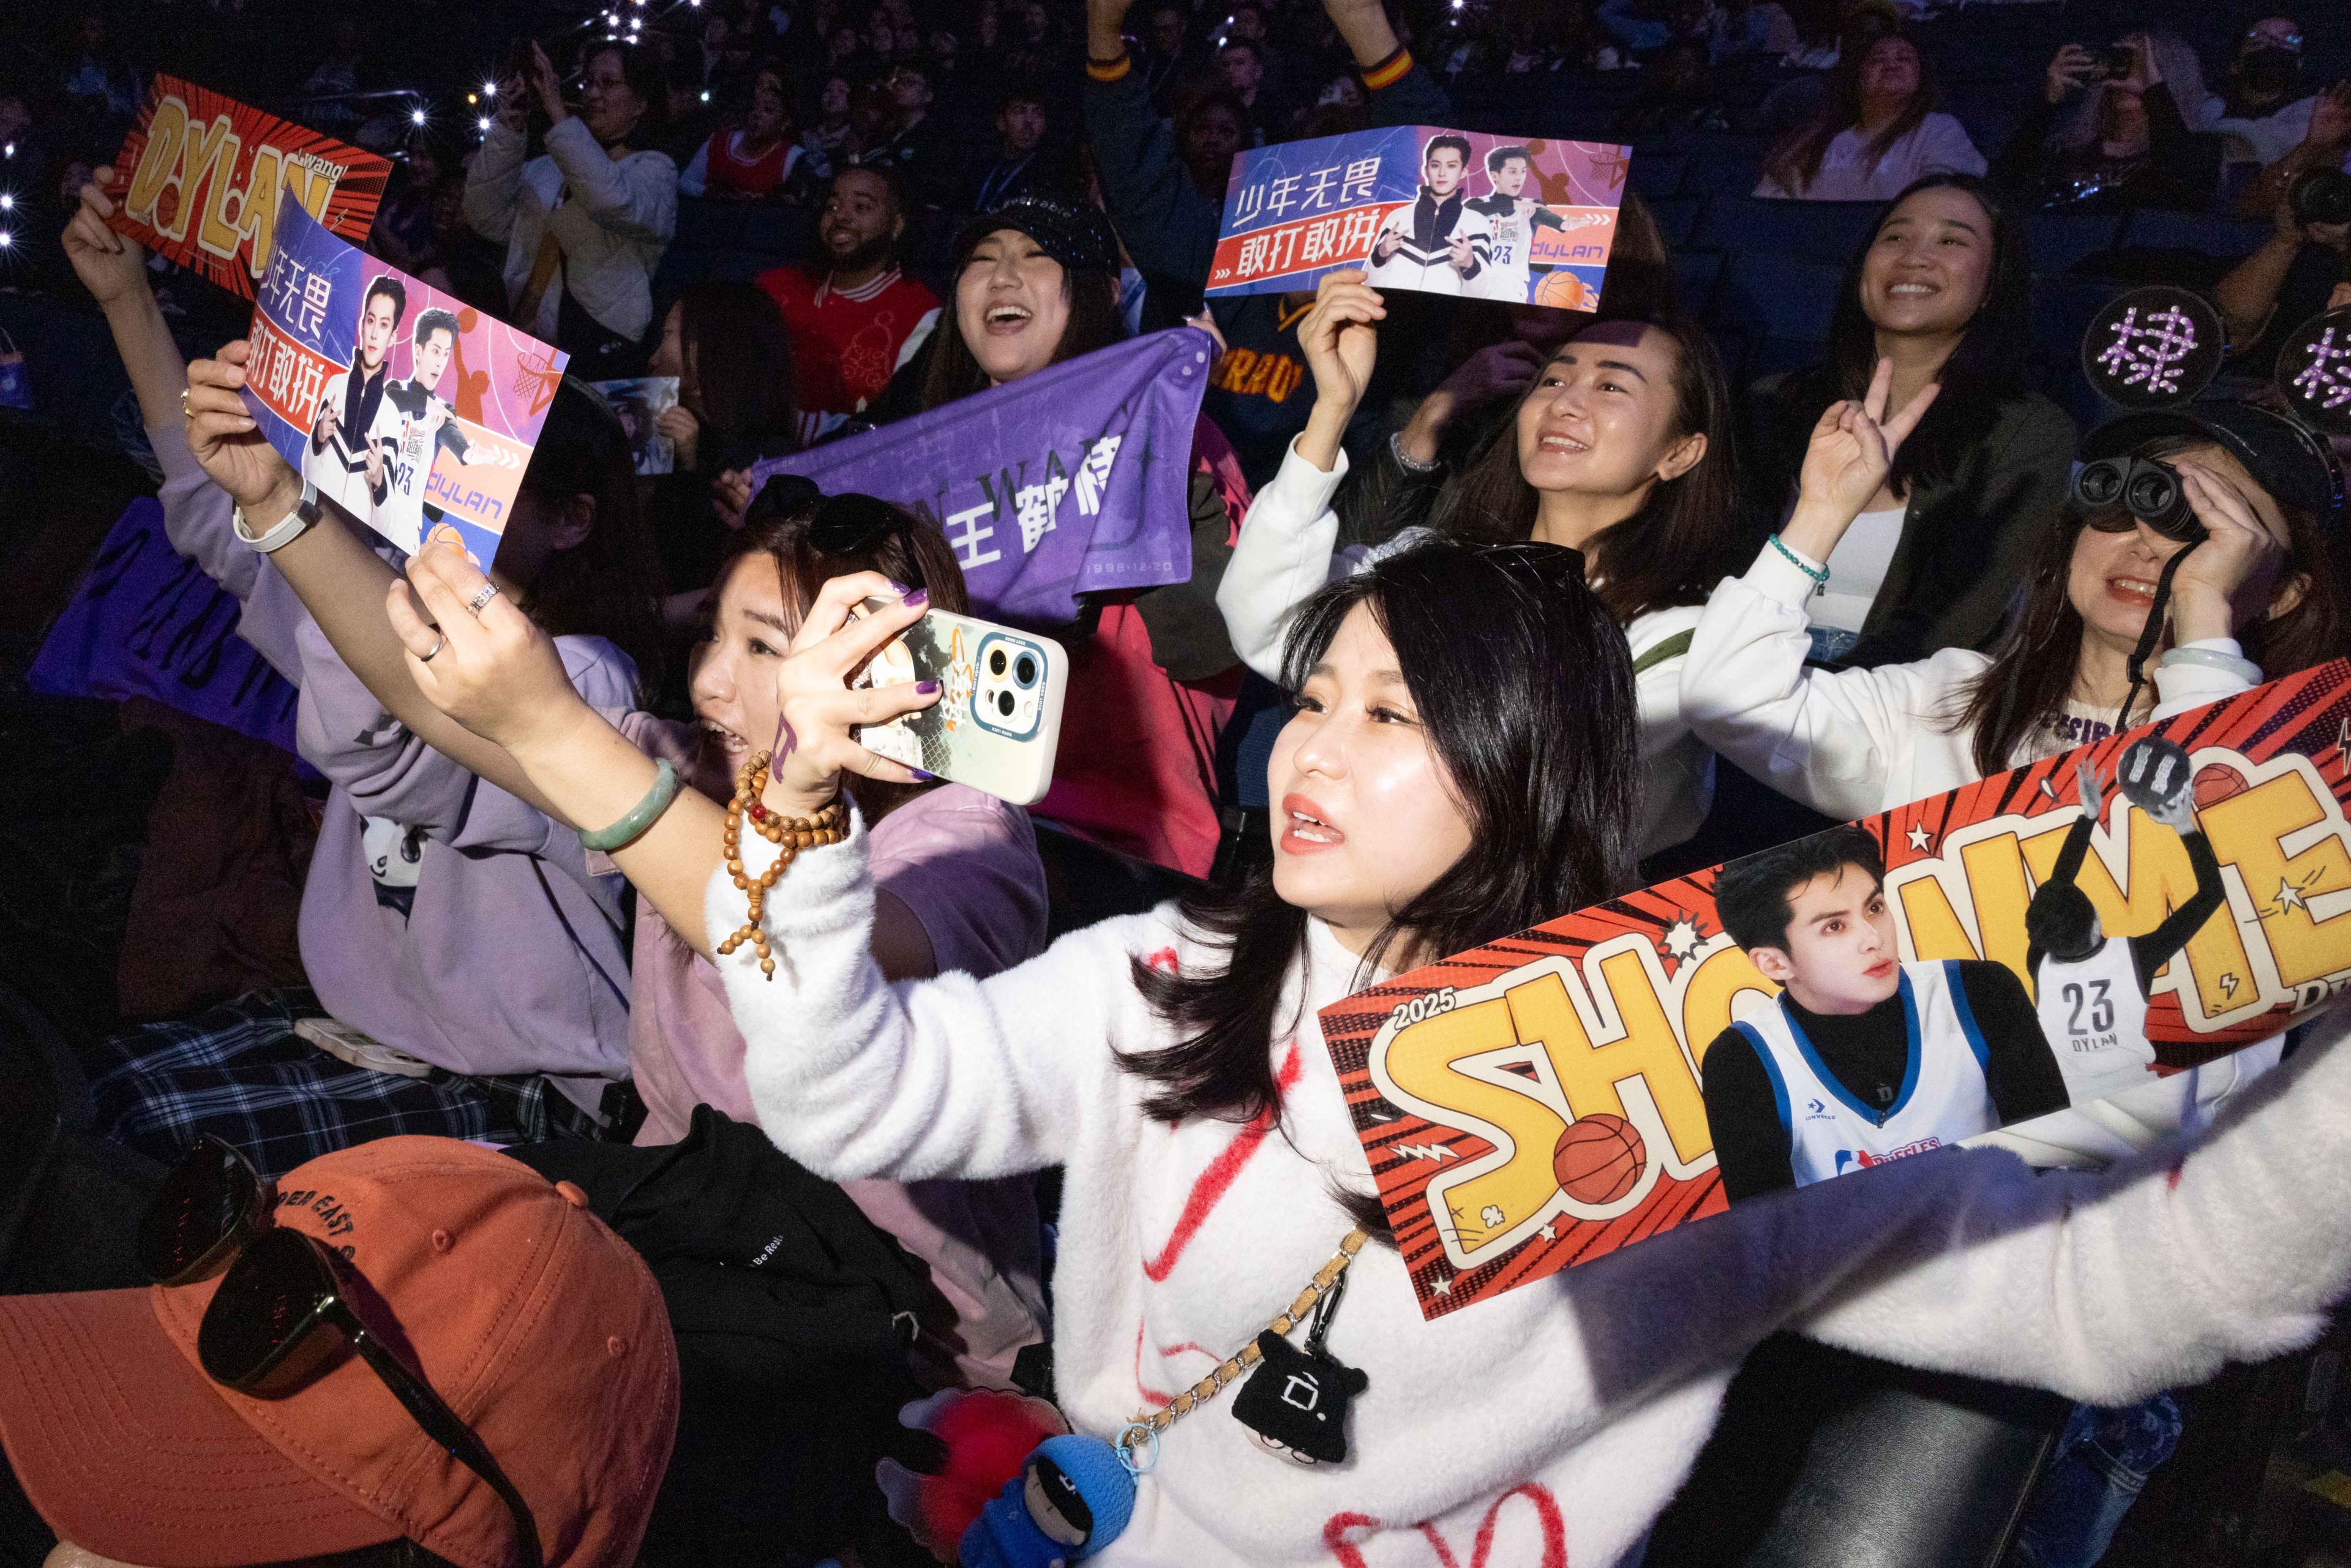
[1036, 284]
[1459, 764]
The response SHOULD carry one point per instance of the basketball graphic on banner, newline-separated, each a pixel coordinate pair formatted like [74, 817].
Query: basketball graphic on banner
[1563, 290]
[1599, 1158]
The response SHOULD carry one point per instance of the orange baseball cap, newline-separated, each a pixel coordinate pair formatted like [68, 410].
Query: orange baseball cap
[539, 1326]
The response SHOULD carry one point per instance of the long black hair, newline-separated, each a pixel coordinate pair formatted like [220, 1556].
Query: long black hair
[609, 584]
[2032, 671]
[1984, 371]
[1687, 532]
[1524, 688]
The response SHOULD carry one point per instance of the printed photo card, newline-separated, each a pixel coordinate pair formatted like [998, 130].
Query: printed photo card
[411, 410]
[1524, 219]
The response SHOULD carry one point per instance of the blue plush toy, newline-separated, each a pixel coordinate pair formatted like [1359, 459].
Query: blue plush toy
[1071, 1500]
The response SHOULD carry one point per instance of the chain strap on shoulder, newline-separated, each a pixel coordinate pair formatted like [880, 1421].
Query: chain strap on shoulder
[1138, 1440]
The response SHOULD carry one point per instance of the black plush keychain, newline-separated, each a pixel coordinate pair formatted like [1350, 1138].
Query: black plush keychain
[1295, 1403]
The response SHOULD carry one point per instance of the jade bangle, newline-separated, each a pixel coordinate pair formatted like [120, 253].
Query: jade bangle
[638, 817]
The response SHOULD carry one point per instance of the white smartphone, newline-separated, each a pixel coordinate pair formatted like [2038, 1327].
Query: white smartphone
[999, 717]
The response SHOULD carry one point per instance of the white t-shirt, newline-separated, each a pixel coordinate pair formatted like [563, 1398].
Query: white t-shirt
[1938, 144]
[1856, 570]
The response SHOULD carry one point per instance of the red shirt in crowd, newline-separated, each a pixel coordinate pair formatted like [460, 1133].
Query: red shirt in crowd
[729, 171]
[846, 342]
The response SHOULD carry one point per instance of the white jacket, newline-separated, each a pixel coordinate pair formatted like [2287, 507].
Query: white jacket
[1852, 743]
[613, 218]
[1286, 552]
[1553, 1422]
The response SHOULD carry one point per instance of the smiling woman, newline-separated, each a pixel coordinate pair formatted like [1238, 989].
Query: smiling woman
[1621, 449]
[1940, 288]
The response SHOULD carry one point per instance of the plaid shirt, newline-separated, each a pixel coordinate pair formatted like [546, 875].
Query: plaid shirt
[240, 1072]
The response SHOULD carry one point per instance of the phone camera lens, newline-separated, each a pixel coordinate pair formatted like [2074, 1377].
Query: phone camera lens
[996, 661]
[1004, 704]
[1024, 670]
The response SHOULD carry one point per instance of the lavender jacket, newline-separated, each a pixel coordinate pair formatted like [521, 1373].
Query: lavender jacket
[508, 958]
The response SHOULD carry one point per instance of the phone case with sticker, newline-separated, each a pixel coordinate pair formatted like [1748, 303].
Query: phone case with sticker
[999, 717]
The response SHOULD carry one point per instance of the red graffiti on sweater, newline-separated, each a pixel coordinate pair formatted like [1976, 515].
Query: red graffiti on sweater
[1218, 1179]
[1349, 1555]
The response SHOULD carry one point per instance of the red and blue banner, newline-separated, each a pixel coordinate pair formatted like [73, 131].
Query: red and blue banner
[1523, 220]
[408, 408]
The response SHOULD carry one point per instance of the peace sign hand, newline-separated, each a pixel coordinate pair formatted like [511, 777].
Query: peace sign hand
[1851, 451]
[818, 710]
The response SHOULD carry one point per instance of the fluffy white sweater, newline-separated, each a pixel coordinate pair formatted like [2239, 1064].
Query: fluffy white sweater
[1548, 1426]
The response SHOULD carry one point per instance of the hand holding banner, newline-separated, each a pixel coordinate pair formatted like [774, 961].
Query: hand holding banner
[203, 180]
[408, 408]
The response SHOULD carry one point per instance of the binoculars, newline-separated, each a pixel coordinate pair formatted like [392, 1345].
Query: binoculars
[2148, 489]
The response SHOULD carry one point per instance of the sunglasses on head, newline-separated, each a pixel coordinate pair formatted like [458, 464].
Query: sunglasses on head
[283, 1314]
[845, 524]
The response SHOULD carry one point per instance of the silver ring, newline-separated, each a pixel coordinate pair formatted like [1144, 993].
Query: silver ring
[426, 656]
[489, 592]
[186, 411]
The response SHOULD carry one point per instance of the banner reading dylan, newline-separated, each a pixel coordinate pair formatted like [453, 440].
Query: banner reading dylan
[202, 179]
[1550, 1097]
[405, 406]
[1069, 481]
[1526, 220]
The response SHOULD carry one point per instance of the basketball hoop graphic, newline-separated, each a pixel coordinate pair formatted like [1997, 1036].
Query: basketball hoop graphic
[536, 379]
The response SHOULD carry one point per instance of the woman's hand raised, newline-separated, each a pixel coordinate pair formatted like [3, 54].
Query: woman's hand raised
[230, 445]
[1851, 449]
[819, 711]
[492, 670]
[1341, 340]
[2230, 580]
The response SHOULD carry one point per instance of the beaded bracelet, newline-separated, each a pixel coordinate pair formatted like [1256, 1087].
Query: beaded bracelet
[789, 834]
[1817, 573]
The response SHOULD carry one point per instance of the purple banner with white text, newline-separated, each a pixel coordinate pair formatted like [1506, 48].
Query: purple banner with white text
[1071, 481]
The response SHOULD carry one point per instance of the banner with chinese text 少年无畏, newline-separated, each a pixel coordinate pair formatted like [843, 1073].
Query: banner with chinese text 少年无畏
[408, 408]
[1523, 220]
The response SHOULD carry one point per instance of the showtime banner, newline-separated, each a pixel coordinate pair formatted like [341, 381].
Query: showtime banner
[203, 180]
[1542, 1101]
[408, 408]
[1523, 220]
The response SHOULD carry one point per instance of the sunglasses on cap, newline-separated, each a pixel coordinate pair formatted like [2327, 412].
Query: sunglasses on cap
[845, 524]
[283, 1314]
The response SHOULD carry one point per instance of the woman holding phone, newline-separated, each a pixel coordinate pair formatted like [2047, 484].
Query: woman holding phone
[1459, 765]
[960, 886]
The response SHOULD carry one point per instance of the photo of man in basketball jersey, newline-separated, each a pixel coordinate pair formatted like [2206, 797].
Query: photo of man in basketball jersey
[2092, 989]
[1437, 245]
[413, 427]
[1513, 219]
[342, 431]
[1862, 1059]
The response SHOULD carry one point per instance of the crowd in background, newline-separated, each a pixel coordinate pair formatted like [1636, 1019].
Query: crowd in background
[1814, 449]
